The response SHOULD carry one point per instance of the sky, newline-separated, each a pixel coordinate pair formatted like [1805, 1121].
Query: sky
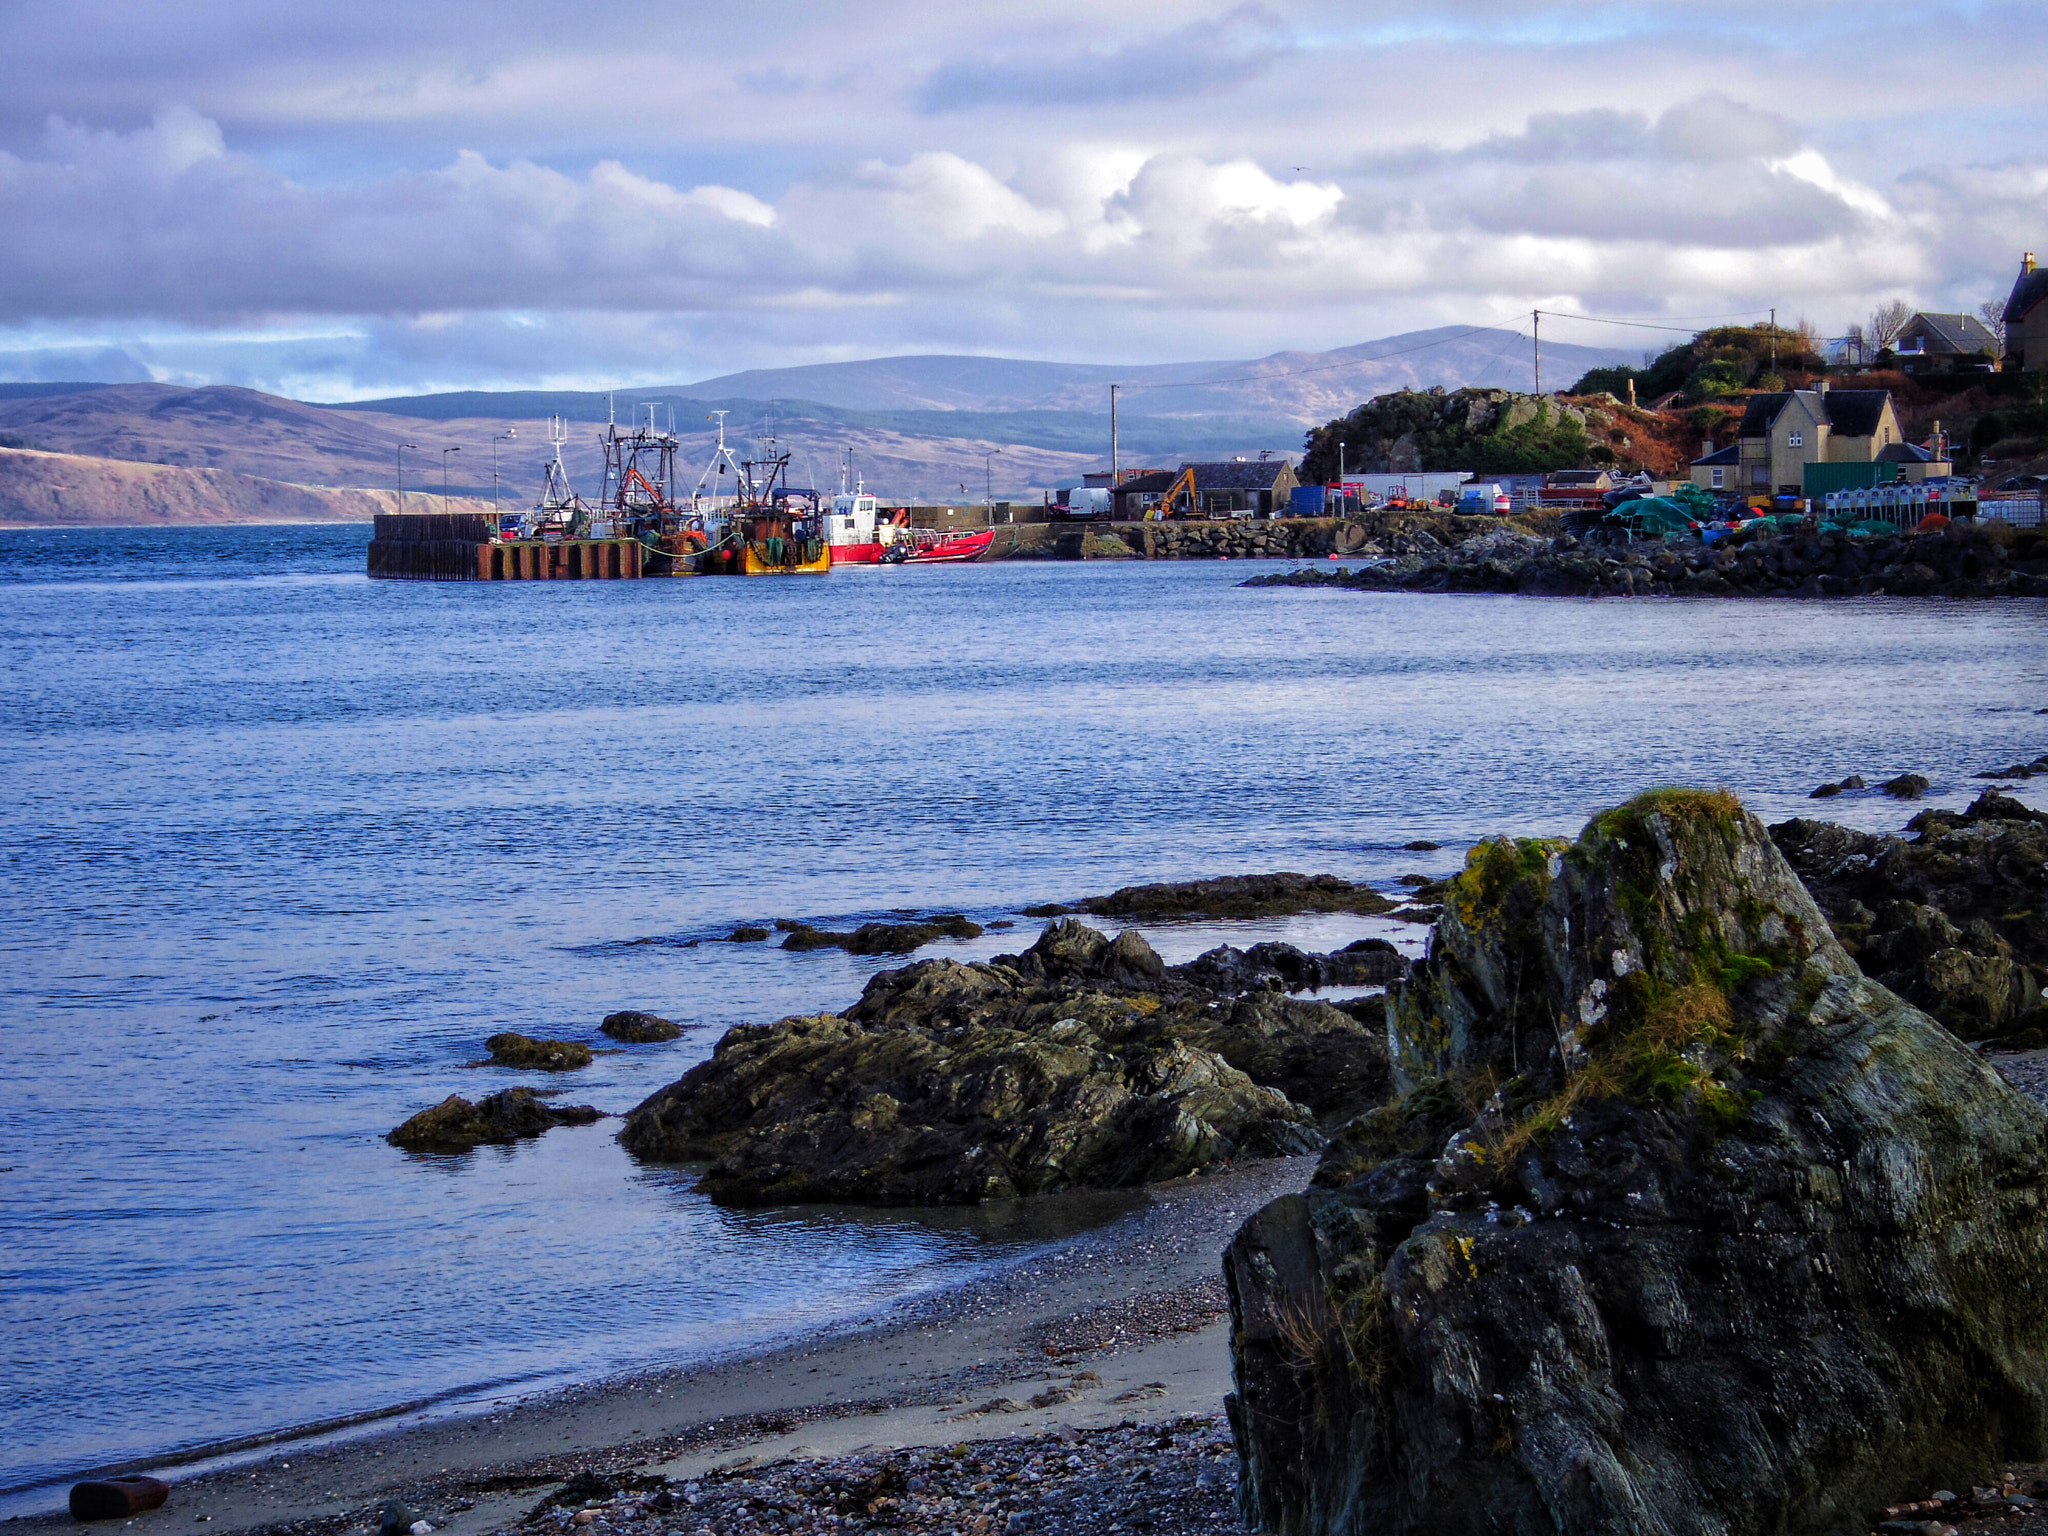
[344, 201]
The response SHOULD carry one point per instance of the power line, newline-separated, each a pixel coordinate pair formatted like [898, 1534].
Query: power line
[1643, 325]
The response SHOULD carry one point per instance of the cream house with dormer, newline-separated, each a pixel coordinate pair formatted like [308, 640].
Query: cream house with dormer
[1783, 433]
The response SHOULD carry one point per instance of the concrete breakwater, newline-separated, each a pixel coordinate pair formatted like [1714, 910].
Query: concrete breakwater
[1989, 560]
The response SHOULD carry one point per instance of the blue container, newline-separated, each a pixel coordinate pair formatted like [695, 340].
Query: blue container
[1306, 501]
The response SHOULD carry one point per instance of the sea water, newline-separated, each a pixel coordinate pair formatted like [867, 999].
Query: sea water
[284, 845]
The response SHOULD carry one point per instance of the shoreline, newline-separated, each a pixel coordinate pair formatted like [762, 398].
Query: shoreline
[1136, 1304]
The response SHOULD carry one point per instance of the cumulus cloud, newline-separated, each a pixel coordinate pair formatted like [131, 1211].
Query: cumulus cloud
[1110, 244]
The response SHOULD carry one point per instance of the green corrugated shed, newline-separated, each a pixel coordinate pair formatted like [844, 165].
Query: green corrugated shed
[1854, 475]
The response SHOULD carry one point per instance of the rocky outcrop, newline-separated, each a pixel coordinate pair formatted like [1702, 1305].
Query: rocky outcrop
[1229, 896]
[1283, 968]
[1680, 1225]
[881, 938]
[1954, 918]
[523, 1051]
[632, 1027]
[1083, 1062]
[455, 1123]
[1961, 561]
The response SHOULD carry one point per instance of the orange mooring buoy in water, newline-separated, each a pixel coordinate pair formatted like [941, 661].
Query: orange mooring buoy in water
[116, 1498]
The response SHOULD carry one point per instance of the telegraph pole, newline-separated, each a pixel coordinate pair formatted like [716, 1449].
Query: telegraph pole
[1536, 340]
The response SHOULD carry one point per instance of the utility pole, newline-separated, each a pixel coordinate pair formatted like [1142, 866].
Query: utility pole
[988, 468]
[401, 472]
[1113, 465]
[1536, 341]
[1774, 339]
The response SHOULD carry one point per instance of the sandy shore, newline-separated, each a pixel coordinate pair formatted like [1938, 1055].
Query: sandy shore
[1120, 1328]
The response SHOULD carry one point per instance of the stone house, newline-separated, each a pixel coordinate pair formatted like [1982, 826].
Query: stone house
[1782, 433]
[2026, 318]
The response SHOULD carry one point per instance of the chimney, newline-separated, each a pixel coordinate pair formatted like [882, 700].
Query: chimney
[1706, 447]
[1631, 394]
[2026, 263]
[1823, 386]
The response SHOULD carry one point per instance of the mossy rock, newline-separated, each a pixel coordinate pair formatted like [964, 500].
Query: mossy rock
[512, 1050]
[1662, 1153]
[512, 1114]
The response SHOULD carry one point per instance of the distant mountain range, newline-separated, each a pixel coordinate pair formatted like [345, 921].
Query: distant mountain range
[930, 429]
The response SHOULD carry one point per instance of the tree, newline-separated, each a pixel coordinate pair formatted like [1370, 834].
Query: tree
[1993, 313]
[1887, 321]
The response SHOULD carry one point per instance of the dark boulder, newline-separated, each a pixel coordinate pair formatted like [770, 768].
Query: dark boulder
[527, 1053]
[882, 938]
[1276, 895]
[1282, 967]
[1907, 786]
[1680, 1226]
[1083, 1062]
[1953, 919]
[636, 1028]
[510, 1115]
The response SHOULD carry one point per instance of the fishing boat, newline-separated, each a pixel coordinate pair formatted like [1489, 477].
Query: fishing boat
[774, 530]
[853, 528]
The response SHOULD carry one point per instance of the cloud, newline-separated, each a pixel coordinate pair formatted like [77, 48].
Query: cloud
[1239, 46]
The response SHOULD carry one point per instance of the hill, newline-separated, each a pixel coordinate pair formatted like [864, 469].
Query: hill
[66, 490]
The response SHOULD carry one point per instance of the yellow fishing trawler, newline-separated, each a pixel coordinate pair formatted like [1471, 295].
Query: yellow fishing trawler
[775, 530]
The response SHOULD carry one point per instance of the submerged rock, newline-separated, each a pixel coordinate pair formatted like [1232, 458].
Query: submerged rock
[1954, 919]
[1681, 1224]
[633, 1027]
[514, 1113]
[1083, 1062]
[510, 1050]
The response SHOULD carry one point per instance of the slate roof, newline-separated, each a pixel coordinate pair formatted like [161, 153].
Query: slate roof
[1732, 454]
[1851, 412]
[2029, 291]
[1905, 453]
[1959, 334]
[1248, 475]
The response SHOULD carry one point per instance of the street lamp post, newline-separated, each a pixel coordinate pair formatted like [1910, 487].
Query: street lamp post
[401, 471]
[496, 439]
[988, 466]
[444, 476]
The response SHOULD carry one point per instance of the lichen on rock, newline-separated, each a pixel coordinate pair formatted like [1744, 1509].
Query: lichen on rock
[1679, 1225]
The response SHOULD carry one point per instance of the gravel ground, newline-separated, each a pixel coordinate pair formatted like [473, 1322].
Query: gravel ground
[1174, 1477]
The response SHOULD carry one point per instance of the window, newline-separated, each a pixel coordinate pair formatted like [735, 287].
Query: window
[1795, 439]
[1720, 478]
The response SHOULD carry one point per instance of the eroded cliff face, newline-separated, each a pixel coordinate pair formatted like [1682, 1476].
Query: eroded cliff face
[1678, 1225]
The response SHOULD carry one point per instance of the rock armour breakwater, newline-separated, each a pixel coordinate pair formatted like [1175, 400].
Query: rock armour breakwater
[1960, 562]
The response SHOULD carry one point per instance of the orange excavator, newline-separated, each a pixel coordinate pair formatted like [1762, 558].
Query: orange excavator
[1182, 490]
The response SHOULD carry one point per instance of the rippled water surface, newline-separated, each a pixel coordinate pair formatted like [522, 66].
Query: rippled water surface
[284, 846]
